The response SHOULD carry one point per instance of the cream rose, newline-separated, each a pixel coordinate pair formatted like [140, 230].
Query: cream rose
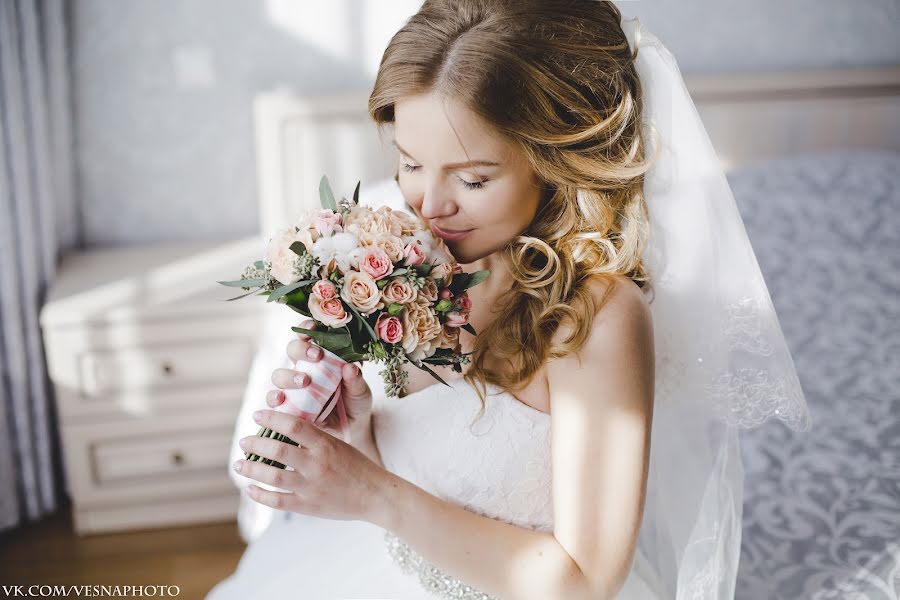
[398, 291]
[421, 328]
[442, 271]
[282, 258]
[429, 291]
[324, 289]
[361, 291]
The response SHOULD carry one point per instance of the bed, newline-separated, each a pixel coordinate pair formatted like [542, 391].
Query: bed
[814, 162]
[822, 508]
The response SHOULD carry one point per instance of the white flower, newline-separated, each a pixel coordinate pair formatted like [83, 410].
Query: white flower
[341, 247]
[282, 258]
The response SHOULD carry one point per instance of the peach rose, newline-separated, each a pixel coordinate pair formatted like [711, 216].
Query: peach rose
[375, 263]
[398, 291]
[449, 338]
[414, 254]
[330, 312]
[406, 222]
[324, 289]
[442, 271]
[429, 291]
[421, 328]
[465, 303]
[361, 291]
[455, 319]
[389, 328]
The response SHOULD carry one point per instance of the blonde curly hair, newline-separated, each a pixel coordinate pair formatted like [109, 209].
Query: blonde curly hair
[556, 78]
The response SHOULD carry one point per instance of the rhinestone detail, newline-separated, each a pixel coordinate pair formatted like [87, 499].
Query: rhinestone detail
[432, 578]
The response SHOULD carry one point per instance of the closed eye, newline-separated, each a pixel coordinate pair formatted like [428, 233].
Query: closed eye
[472, 185]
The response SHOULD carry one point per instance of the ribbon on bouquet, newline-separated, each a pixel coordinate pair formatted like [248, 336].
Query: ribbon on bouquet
[324, 393]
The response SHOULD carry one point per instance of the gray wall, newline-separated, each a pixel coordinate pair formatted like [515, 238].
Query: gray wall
[163, 89]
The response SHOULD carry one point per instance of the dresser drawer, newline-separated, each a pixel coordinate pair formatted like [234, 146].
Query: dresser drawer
[141, 460]
[170, 365]
[160, 455]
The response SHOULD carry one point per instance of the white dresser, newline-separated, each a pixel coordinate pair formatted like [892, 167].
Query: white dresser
[149, 365]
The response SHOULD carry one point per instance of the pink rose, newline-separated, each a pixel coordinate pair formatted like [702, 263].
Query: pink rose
[328, 222]
[455, 319]
[330, 312]
[414, 254]
[445, 294]
[389, 328]
[376, 263]
[465, 303]
[457, 269]
[324, 289]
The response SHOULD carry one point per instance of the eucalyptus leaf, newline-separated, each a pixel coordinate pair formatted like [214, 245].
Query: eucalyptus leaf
[260, 264]
[242, 296]
[424, 367]
[356, 194]
[326, 196]
[244, 283]
[362, 320]
[287, 289]
[298, 248]
[334, 339]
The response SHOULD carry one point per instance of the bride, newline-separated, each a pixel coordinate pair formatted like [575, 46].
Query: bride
[590, 447]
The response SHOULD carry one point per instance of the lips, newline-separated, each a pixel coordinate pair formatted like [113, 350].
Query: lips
[449, 234]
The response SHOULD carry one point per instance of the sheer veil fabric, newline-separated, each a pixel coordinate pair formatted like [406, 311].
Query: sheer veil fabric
[722, 363]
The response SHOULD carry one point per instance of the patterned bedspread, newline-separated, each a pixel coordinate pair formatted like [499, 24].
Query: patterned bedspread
[822, 508]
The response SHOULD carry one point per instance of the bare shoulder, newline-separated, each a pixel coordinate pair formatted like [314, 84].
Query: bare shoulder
[624, 317]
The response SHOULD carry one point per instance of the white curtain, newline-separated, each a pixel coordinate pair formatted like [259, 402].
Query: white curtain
[38, 220]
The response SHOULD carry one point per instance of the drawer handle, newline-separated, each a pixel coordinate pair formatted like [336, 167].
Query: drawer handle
[178, 458]
[168, 368]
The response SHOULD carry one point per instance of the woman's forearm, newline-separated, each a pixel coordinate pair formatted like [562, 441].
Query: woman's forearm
[500, 559]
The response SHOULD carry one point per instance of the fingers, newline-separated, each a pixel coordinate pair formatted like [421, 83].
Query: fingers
[289, 378]
[303, 432]
[354, 382]
[299, 349]
[274, 398]
[277, 500]
[280, 478]
[282, 452]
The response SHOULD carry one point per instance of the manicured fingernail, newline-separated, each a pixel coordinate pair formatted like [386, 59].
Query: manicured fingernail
[237, 465]
[257, 416]
[313, 352]
[298, 380]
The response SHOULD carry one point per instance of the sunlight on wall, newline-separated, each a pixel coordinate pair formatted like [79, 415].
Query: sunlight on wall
[355, 31]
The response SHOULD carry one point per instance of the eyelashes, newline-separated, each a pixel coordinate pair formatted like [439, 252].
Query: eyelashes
[472, 185]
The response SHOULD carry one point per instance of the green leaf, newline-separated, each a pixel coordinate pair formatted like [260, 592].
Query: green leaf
[242, 296]
[356, 194]
[362, 320]
[327, 339]
[326, 196]
[399, 271]
[477, 277]
[424, 367]
[298, 248]
[260, 264]
[287, 289]
[244, 283]
[468, 327]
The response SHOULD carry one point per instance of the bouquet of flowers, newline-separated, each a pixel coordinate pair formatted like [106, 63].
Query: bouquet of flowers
[379, 286]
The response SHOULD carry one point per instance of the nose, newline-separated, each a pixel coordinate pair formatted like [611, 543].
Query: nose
[437, 201]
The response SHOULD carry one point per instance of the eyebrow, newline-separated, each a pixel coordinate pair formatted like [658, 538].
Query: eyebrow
[452, 166]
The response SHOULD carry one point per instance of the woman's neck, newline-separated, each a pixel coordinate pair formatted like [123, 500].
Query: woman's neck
[500, 279]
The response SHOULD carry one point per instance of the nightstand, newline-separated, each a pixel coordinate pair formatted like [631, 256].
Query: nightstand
[149, 365]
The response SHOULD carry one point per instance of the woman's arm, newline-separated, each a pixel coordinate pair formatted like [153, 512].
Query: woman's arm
[600, 462]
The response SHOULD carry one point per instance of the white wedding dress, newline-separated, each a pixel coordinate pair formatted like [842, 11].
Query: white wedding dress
[498, 466]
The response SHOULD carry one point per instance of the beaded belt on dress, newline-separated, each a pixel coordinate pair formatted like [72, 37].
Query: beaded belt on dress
[432, 578]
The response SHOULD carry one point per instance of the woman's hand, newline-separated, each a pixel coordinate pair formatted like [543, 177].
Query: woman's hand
[357, 395]
[330, 478]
